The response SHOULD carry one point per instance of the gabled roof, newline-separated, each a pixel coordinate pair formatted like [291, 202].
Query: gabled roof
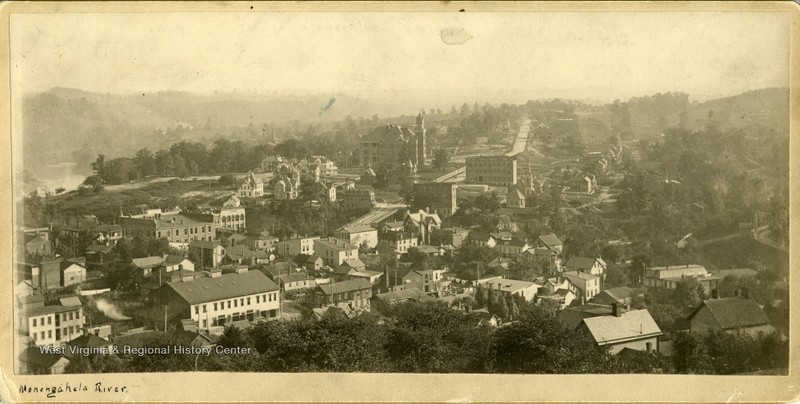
[346, 286]
[513, 243]
[148, 262]
[579, 275]
[241, 252]
[70, 301]
[394, 225]
[353, 263]
[358, 229]
[550, 240]
[511, 285]
[514, 193]
[629, 325]
[203, 244]
[622, 293]
[223, 287]
[34, 356]
[99, 248]
[172, 259]
[89, 340]
[581, 263]
[734, 312]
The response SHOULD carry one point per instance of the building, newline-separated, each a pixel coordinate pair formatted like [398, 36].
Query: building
[335, 251]
[585, 286]
[622, 295]
[453, 236]
[362, 235]
[495, 170]
[356, 199]
[583, 183]
[402, 278]
[73, 274]
[241, 255]
[251, 187]
[400, 241]
[393, 145]
[512, 248]
[668, 277]
[295, 246]
[633, 329]
[526, 290]
[594, 266]
[440, 197]
[296, 281]
[270, 164]
[34, 362]
[327, 167]
[515, 199]
[232, 202]
[730, 315]
[422, 223]
[224, 299]
[354, 293]
[551, 242]
[261, 242]
[231, 218]
[175, 226]
[208, 254]
[53, 325]
[286, 187]
[481, 239]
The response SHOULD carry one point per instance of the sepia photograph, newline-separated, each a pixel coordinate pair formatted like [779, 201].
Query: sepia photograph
[232, 200]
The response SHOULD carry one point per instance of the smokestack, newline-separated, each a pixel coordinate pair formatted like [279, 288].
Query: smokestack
[615, 310]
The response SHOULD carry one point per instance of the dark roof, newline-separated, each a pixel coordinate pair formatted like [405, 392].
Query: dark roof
[346, 286]
[99, 248]
[41, 311]
[734, 312]
[148, 262]
[404, 295]
[223, 287]
[622, 292]
[34, 356]
[550, 240]
[583, 263]
[203, 244]
[571, 317]
[89, 340]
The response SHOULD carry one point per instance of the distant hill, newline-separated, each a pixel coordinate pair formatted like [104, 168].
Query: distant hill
[66, 125]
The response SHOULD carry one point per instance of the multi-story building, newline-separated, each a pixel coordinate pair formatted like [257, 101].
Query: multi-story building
[335, 251]
[422, 223]
[175, 226]
[359, 235]
[354, 293]
[327, 167]
[356, 199]
[232, 218]
[526, 290]
[400, 241]
[52, 325]
[296, 245]
[454, 236]
[251, 187]
[207, 254]
[496, 170]
[585, 286]
[222, 299]
[668, 277]
[515, 199]
[440, 197]
[393, 145]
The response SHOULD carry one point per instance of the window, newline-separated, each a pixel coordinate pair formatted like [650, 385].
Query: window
[196, 309]
[215, 306]
[248, 301]
[42, 334]
[241, 302]
[49, 320]
[34, 323]
[258, 297]
[205, 310]
[49, 333]
[235, 303]
[229, 304]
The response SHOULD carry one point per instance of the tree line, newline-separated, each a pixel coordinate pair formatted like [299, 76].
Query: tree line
[432, 338]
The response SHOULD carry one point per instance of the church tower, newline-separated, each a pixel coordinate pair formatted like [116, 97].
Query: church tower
[419, 130]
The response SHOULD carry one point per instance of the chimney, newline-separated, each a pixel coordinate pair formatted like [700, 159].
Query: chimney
[615, 310]
[241, 269]
[745, 293]
[216, 273]
[714, 294]
[428, 210]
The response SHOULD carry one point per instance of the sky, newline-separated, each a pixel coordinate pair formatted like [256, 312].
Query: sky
[580, 55]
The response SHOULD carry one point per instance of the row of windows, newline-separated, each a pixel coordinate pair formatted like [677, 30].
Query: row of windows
[64, 317]
[188, 230]
[64, 332]
[233, 303]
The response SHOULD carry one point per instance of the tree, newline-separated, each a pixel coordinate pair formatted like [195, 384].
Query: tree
[144, 163]
[440, 158]
[233, 337]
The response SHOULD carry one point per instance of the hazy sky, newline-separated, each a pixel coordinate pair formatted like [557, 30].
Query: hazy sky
[596, 53]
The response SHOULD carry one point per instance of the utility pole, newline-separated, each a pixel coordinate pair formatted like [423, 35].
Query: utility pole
[165, 317]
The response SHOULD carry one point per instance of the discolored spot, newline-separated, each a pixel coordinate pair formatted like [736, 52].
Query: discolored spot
[455, 36]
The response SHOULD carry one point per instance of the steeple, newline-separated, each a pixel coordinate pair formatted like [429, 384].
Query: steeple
[419, 131]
